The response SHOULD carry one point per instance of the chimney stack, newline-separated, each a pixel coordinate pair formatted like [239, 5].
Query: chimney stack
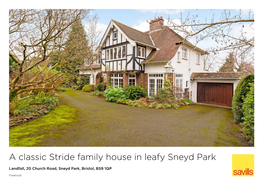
[156, 23]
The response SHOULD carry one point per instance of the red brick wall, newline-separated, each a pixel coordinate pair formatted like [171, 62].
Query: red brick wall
[156, 24]
[125, 79]
[142, 79]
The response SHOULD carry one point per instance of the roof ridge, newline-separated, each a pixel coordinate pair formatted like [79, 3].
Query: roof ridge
[129, 27]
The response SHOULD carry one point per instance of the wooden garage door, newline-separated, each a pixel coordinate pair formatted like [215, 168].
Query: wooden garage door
[215, 93]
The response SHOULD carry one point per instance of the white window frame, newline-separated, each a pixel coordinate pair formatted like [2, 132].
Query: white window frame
[184, 53]
[123, 54]
[118, 78]
[108, 54]
[179, 82]
[155, 77]
[141, 51]
[119, 52]
[132, 78]
[115, 35]
[198, 59]
[113, 53]
[179, 56]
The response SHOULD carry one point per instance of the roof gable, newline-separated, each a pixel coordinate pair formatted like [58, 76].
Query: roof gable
[134, 34]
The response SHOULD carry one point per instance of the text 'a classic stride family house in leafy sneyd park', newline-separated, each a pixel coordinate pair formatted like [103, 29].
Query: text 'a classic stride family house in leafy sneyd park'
[132, 57]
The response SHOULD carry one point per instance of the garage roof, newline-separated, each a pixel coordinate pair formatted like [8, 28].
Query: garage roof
[215, 75]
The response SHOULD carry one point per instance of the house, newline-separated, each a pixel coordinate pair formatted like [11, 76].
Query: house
[132, 57]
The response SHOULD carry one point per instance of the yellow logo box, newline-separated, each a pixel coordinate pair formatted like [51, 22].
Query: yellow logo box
[242, 164]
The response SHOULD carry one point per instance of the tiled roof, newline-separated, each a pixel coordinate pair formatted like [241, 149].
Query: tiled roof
[216, 75]
[134, 34]
[165, 40]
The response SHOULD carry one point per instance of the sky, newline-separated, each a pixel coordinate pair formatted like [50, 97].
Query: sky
[139, 19]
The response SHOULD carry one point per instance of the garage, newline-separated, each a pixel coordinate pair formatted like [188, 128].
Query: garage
[213, 88]
[215, 93]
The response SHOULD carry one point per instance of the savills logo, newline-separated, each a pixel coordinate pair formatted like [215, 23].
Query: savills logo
[242, 164]
[246, 172]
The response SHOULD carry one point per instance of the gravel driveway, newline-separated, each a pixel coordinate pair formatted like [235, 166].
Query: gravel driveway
[102, 123]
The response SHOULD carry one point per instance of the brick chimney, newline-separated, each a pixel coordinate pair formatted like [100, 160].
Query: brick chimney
[156, 23]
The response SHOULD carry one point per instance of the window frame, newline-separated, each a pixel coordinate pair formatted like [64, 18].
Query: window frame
[179, 82]
[141, 51]
[198, 59]
[184, 53]
[178, 56]
[116, 52]
[155, 77]
[132, 78]
[119, 78]
[115, 35]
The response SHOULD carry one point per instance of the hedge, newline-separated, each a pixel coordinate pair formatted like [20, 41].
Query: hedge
[248, 119]
[241, 91]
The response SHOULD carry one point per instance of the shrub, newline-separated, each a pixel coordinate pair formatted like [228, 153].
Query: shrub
[88, 88]
[248, 119]
[101, 86]
[241, 91]
[134, 92]
[165, 95]
[136, 103]
[186, 101]
[163, 105]
[98, 93]
[35, 103]
[114, 93]
[123, 101]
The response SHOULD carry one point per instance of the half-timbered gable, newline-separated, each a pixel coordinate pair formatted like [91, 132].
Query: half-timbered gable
[124, 48]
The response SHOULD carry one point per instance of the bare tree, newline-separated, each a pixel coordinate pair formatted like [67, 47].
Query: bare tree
[220, 30]
[34, 35]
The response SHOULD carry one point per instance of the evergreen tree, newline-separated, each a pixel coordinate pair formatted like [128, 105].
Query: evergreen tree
[76, 50]
[228, 66]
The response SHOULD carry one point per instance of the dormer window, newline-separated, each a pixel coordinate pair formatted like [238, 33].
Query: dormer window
[141, 52]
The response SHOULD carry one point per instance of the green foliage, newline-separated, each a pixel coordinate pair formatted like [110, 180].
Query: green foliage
[101, 86]
[123, 101]
[114, 93]
[72, 57]
[88, 88]
[99, 93]
[31, 107]
[12, 65]
[157, 105]
[165, 95]
[135, 92]
[186, 101]
[136, 103]
[248, 119]
[241, 91]
[229, 65]
[39, 99]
